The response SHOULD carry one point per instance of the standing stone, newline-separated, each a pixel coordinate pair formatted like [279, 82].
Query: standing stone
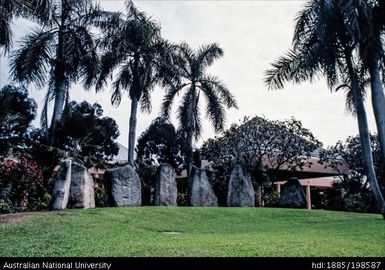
[123, 187]
[201, 192]
[82, 188]
[166, 191]
[241, 192]
[292, 194]
[62, 185]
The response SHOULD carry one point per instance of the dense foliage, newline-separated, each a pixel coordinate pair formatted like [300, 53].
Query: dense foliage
[17, 110]
[20, 184]
[86, 135]
[352, 193]
[160, 143]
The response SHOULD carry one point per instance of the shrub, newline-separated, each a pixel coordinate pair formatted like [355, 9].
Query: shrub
[5, 207]
[19, 182]
[99, 195]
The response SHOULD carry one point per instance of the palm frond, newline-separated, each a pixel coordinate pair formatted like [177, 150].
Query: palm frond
[42, 11]
[168, 99]
[82, 56]
[207, 54]
[186, 61]
[108, 62]
[215, 111]
[30, 63]
[49, 96]
[304, 21]
[224, 93]
[186, 112]
[107, 21]
[5, 34]
[145, 99]
[116, 96]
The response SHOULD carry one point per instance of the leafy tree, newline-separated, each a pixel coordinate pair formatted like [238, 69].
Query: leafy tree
[194, 82]
[323, 45]
[61, 52]
[161, 143]
[258, 143]
[262, 147]
[351, 193]
[133, 46]
[86, 135]
[17, 111]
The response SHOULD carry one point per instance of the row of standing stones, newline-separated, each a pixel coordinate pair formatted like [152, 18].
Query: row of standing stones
[74, 188]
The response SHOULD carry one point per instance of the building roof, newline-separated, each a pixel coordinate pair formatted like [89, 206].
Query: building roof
[323, 182]
[315, 170]
[122, 155]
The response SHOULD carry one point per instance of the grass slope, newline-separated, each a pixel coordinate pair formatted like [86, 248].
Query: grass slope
[204, 232]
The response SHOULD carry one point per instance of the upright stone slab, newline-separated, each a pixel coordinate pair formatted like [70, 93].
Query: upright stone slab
[166, 191]
[82, 193]
[61, 189]
[123, 187]
[292, 194]
[241, 192]
[201, 192]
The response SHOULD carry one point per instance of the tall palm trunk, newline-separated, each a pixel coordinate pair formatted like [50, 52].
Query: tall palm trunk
[60, 89]
[189, 154]
[378, 103]
[365, 137]
[132, 130]
[190, 134]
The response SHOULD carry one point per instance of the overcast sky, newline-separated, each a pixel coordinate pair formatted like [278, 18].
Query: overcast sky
[252, 34]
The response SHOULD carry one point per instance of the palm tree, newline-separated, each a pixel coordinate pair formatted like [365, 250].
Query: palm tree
[9, 9]
[369, 37]
[133, 46]
[365, 23]
[194, 81]
[324, 46]
[60, 52]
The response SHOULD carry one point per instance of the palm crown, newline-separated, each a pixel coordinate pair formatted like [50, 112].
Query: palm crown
[194, 81]
[59, 52]
[37, 10]
[133, 46]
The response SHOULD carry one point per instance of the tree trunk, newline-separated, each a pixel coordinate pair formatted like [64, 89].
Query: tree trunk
[60, 96]
[189, 154]
[60, 90]
[132, 130]
[190, 133]
[367, 156]
[378, 103]
[365, 138]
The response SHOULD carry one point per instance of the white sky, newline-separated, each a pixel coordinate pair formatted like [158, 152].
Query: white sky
[252, 34]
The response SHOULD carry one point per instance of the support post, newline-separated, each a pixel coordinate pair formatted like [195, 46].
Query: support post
[308, 196]
[278, 188]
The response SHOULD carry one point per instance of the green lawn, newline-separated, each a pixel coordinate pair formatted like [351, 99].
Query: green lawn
[202, 232]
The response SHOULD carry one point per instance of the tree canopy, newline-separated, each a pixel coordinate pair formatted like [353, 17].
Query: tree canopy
[351, 193]
[258, 142]
[17, 110]
[85, 134]
[161, 143]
